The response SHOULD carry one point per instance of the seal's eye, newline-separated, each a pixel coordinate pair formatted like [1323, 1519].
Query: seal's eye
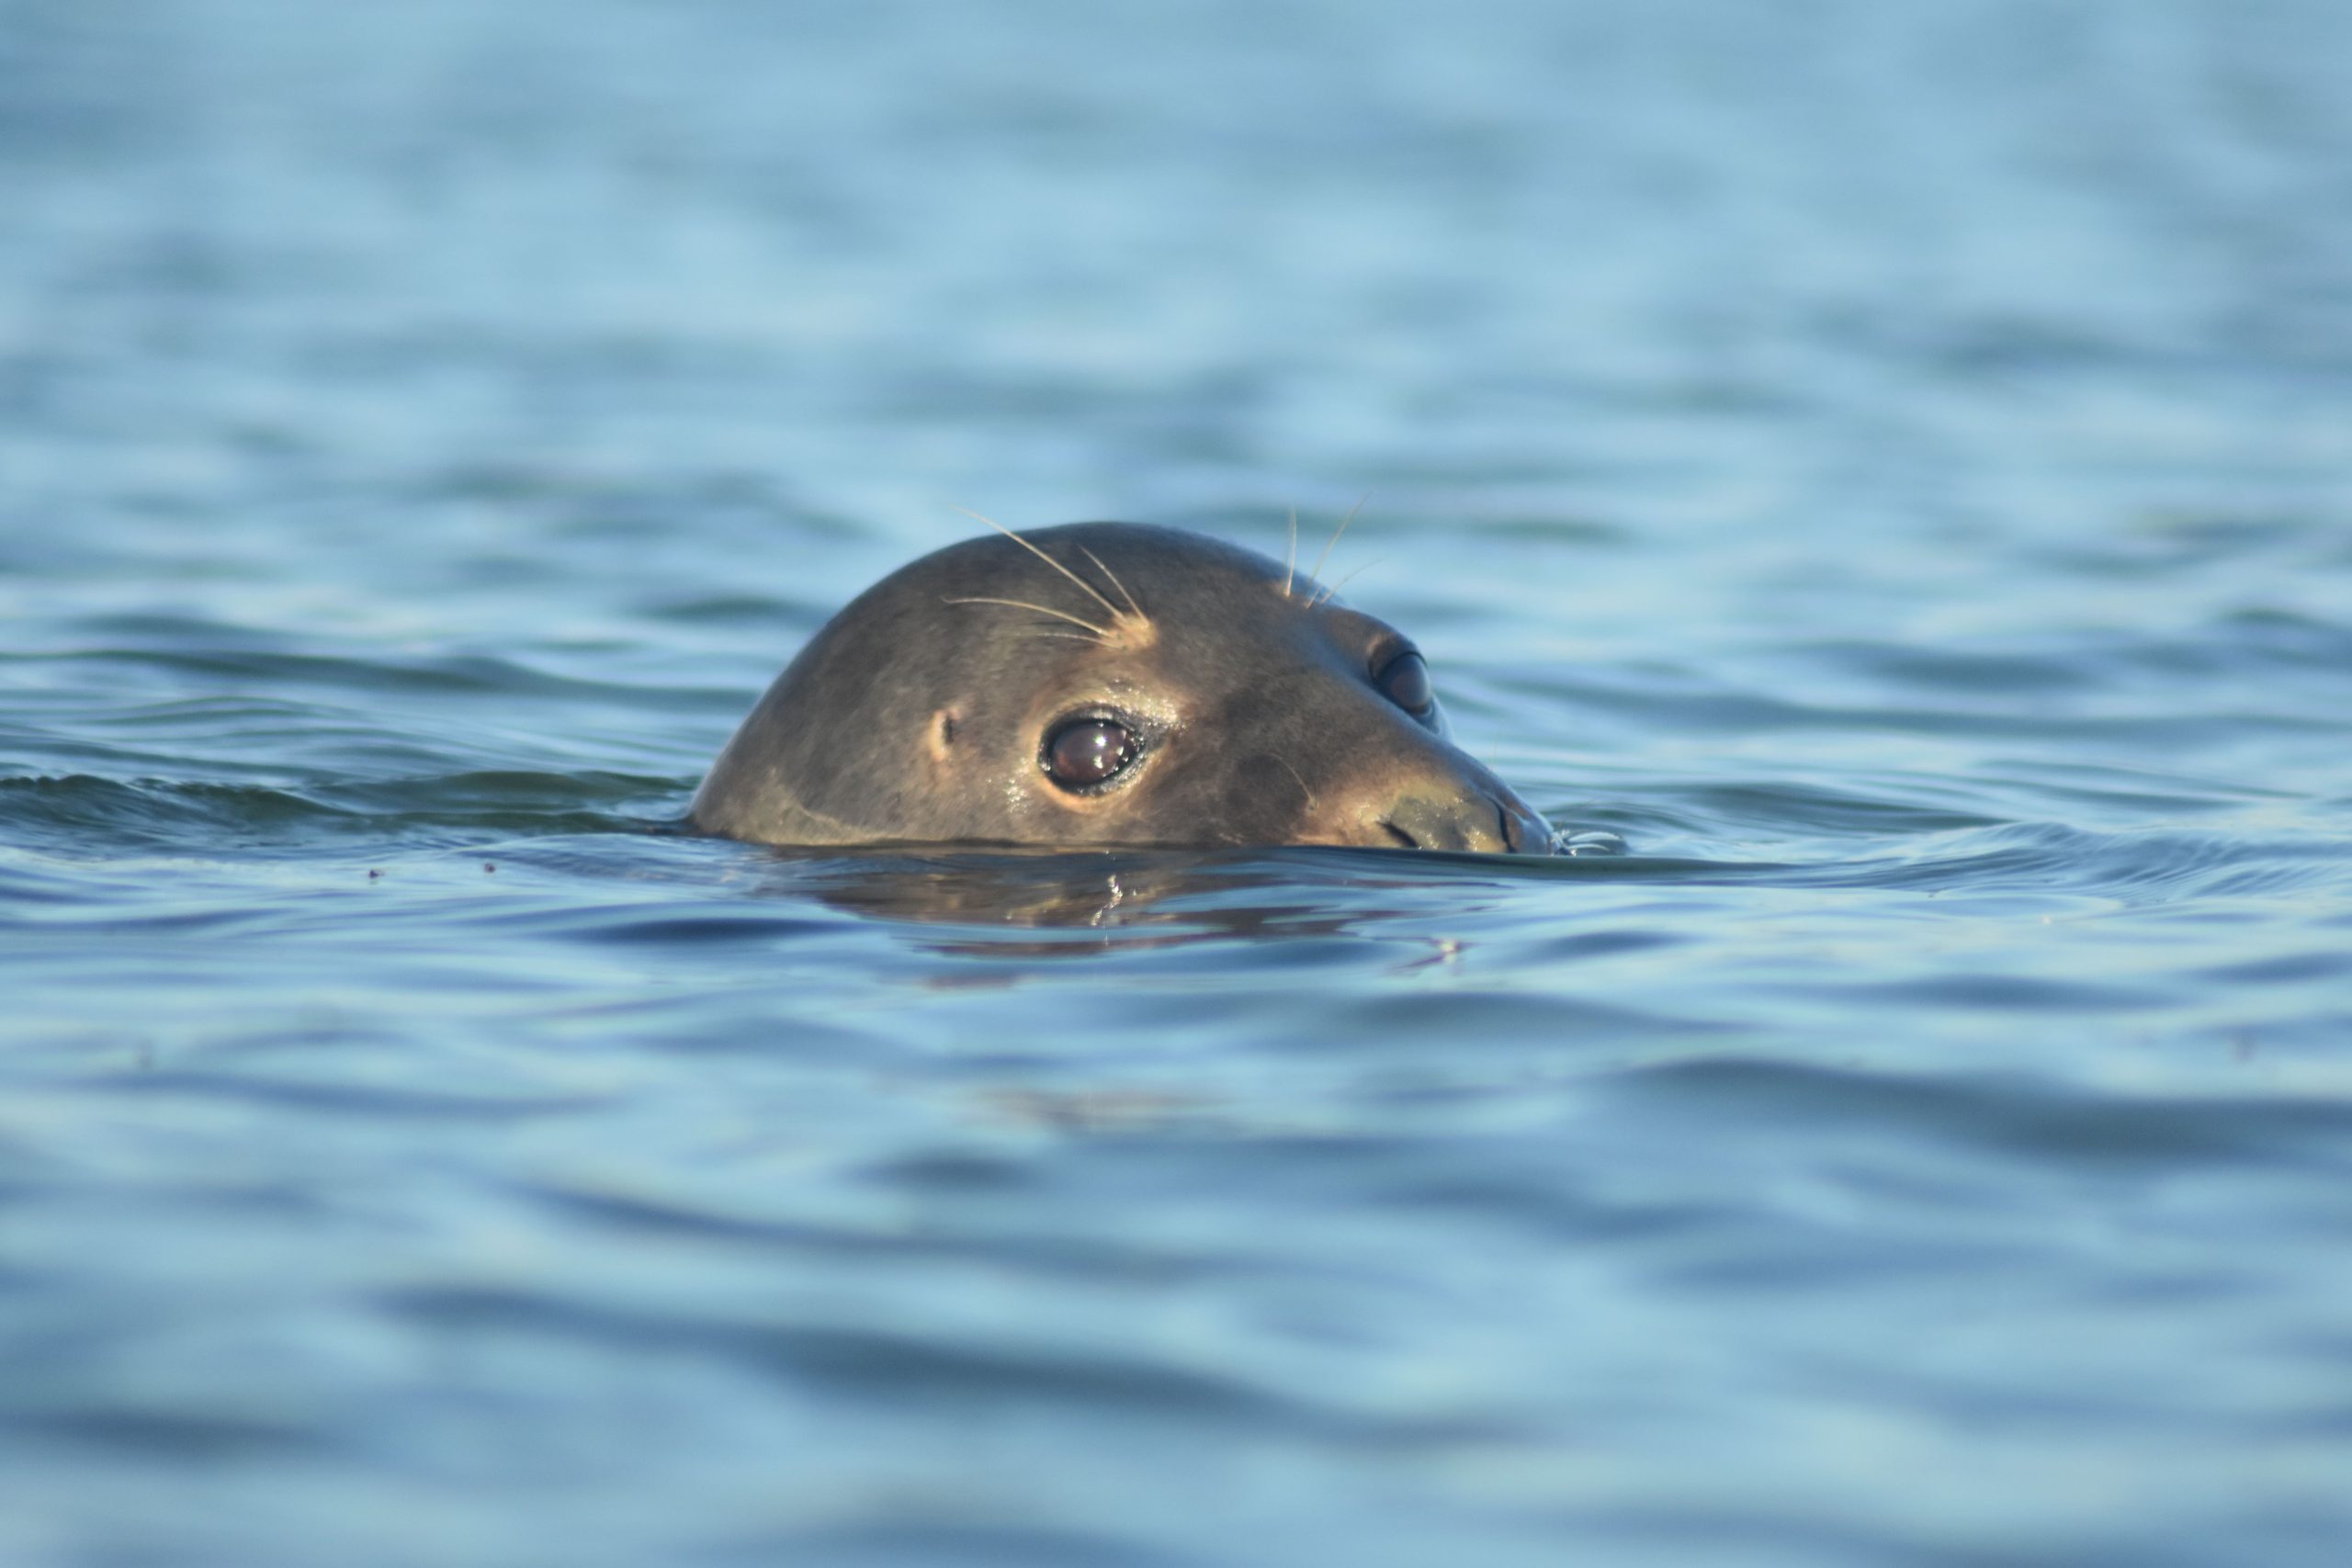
[1086, 752]
[1405, 681]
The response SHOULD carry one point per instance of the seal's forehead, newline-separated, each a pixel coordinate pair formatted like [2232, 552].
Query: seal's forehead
[1094, 574]
[1166, 555]
[1001, 614]
[1137, 567]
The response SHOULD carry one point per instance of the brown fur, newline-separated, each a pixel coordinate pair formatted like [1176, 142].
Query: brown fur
[918, 713]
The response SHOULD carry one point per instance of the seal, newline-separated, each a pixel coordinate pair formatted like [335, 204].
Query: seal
[1105, 684]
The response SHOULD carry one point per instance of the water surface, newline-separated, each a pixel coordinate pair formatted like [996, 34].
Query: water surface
[1892, 467]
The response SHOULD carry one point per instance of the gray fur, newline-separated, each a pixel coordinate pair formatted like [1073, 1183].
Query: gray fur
[1263, 724]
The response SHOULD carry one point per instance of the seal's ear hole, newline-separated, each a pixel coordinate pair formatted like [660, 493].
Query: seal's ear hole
[1087, 752]
[1405, 681]
[944, 725]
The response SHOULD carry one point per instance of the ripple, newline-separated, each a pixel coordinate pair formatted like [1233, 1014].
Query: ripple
[201, 1435]
[870, 1362]
[2015, 1116]
[81, 809]
[1881, 468]
[2147, 866]
[284, 670]
[368, 1101]
[80, 814]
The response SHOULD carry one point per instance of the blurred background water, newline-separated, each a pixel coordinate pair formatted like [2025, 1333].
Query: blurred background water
[1891, 465]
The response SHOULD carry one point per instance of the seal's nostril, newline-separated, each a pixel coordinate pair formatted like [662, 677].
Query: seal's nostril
[1443, 821]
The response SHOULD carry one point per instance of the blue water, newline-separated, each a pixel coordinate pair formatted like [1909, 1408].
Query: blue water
[1891, 466]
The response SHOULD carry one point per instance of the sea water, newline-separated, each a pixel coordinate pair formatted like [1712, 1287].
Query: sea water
[1886, 470]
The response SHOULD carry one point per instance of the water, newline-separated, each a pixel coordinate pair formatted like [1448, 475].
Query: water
[1890, 465]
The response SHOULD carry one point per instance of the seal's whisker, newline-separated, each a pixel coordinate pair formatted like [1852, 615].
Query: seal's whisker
[1337, 531]
[1302, 781]
[1100, 632]
[1092, 592]
[1333, 591]
[1113, 576]
[1290, 567]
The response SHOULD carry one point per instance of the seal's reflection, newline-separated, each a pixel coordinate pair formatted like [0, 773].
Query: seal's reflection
[1073, 905]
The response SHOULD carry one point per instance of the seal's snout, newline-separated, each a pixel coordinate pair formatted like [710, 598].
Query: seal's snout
[1470, 823]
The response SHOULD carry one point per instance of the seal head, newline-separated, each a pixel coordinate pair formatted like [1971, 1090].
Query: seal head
[1106, 683]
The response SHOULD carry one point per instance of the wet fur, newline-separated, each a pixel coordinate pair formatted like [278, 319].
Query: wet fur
[916, 713]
